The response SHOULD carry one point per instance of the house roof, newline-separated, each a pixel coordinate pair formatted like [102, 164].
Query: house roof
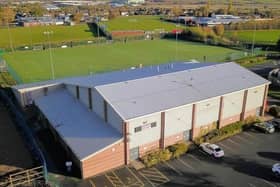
[84, 132]
[157, 93]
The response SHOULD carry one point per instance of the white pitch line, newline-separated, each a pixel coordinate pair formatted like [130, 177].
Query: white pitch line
[269, 183]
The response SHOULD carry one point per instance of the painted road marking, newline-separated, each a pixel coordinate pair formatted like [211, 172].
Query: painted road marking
[243, 139]
[233, 142]
[227, 147]
[139, 182]
[196, 159]
[269, 183]
[250, 135]
[173, 168]
[185, 164]
[92, 183]
[252, 185]
[114, 179]
[153, 176]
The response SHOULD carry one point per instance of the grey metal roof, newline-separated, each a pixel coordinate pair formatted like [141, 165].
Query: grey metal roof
[83, 131]
[119, 76]
[144, 96]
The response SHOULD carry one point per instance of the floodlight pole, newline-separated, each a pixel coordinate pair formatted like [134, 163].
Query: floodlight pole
[50, 52]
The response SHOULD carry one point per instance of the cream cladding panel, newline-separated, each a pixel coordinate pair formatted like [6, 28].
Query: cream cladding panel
[233, 104]
[207, 112]
[255, 98]
[147, 134]
[178, 120]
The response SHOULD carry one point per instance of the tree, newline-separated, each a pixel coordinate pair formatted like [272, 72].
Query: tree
[230, 9]
[278, 45]
[177, 11]
[77, 17]
[7, 15]
[219, 30]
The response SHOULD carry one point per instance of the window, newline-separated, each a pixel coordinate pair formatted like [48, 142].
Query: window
[154, 124]
[137, 129]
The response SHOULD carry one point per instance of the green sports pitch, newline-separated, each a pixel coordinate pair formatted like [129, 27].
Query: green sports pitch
[29, 36]
[146, 23]
[260, 36]
[32, 66]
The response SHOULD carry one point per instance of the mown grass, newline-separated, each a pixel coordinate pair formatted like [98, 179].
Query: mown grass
[35, 65]
[146, 23]
[261, 36]
[29, 36]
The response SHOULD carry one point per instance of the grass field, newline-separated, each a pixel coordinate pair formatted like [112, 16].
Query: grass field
[35, 65]
[21, 36]
[146, 23]
[261, 36]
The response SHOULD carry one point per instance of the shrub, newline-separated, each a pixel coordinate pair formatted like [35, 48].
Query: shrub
[165, 155]
[173, 151]
[275, 111]
[178, 149]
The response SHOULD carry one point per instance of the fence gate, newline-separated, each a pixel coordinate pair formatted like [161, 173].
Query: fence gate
[24, 177]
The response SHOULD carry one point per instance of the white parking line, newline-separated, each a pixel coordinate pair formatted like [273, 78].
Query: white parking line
[174, 169]
[252, 185]
[92, 183]
[185, 164]
[233, 142]
[193, 157]
[227, 147]
[269, 183]
[250, 135]
[243, 139]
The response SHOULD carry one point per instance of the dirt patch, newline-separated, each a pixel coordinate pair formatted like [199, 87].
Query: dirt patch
[14, 156]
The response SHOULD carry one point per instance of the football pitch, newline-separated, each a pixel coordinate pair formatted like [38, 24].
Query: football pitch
[32, 66]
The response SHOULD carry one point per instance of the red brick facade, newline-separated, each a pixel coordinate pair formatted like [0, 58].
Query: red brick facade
[170, 140]
[109, 158]
[148, 147]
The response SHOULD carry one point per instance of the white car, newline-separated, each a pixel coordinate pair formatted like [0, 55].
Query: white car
[212, 149]
[276, 169]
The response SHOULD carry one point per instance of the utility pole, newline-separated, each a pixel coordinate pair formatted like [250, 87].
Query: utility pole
[48, 33]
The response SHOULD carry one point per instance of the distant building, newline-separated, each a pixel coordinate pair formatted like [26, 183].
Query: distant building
[107, 120]
[135, 1]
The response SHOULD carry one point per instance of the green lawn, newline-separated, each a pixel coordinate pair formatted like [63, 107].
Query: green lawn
[261, 36]
[35, 65]
[147, 23]
[21, 36]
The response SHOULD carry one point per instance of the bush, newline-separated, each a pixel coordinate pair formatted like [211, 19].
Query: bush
[275, 111]
[224, 132]
[173, 151]
[178, 149]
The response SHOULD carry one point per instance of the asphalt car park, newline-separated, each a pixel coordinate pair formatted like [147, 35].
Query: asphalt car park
[248, 160]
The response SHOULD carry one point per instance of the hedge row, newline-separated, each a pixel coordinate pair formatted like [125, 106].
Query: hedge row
[227, 131]
[173, 151]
